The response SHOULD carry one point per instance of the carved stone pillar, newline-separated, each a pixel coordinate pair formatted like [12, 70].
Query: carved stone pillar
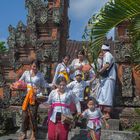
[127, 88]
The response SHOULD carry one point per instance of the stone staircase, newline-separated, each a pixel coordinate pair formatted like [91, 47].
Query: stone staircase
[112, 133]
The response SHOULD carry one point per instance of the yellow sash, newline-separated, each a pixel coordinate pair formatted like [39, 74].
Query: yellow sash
[65, 75]
[30, 97]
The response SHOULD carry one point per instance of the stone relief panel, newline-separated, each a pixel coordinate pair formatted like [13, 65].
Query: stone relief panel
[56, 16]
[11, 41]
[127, 88]
[17, 98]
[122, 51]
[44, 16]
[2, 81]
[20, 34]
[37, 11]
[33, 39]
[49, 54]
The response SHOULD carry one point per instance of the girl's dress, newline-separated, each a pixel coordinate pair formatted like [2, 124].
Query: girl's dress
[94, 122]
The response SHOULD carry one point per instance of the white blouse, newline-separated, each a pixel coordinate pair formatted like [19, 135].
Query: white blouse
[37, 80]
[108, 58]
[66, 98]
[75, 64]
[60, 67]
[78, 88]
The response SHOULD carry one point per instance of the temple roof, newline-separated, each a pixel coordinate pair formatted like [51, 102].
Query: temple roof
[72, 47]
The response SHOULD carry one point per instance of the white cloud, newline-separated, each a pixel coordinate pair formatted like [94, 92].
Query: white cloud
[84, 8]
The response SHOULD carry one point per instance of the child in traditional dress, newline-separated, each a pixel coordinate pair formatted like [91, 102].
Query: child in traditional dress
[94, 117]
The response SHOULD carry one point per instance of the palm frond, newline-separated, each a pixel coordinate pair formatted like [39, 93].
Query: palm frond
[113, 13]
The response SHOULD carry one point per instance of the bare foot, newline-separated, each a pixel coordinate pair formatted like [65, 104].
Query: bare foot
[22, 136]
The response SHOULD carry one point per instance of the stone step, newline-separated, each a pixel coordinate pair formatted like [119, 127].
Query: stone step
[114, 124]
[80, 134]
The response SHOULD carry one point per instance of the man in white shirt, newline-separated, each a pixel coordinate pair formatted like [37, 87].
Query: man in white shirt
[107, 84]
[78, 86]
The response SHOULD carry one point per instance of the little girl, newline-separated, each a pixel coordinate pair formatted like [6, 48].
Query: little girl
[94, 117]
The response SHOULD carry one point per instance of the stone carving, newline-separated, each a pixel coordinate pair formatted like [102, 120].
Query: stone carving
[1, 80]
[49, 54]
[4, 103]
[55, 43]
[44, 16]
[127, 120]
[127, 89]
[20, 34]
[37, 9]
[33, 39]
[122, 52]
[56, 16]
[11, 41]
[6, 121]
[127, 101]
[54, 34]
[17, 98]
[31, 18]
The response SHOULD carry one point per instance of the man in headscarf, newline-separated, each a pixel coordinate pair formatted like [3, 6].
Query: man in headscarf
[107, 84]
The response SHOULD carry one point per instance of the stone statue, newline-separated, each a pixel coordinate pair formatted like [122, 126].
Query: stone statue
[11, 41]
[56, 16]
[44, 16]
[20, 34]
[1, 80]
[33, 39]
[31, 18]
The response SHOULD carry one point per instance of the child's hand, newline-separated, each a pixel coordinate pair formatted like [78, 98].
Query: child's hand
[107, 126]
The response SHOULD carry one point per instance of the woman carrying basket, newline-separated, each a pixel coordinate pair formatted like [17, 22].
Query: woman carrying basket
[35, 84]
[59, 100]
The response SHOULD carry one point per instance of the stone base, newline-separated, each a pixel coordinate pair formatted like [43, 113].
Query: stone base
[129, 117]
[80, 134]
[114, 124]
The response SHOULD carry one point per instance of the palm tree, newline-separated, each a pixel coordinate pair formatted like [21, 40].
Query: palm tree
[113, 13]
[2, 47]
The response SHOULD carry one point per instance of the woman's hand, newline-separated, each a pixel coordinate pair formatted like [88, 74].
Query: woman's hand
[12, 87]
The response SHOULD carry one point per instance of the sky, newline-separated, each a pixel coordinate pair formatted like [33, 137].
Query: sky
[12, 11]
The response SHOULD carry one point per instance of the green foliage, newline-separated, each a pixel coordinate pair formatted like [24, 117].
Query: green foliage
[136, 126]
[2, 47]
[137, 110]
